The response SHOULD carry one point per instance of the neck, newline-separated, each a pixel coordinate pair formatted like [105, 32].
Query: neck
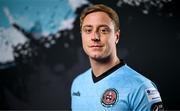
[99, 67]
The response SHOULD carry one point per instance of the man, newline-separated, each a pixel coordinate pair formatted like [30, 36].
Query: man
[110, 84]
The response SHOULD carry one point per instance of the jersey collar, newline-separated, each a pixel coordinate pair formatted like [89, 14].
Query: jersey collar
[108, 72]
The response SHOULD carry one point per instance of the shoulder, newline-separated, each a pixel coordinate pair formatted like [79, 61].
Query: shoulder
[136, 81]
[141, 89]
[134, 78]
[81, 78]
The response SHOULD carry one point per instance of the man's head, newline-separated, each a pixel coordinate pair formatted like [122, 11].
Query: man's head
[100, 32]
[102, 8]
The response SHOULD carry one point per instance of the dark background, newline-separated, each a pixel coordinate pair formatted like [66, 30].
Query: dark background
[149, 43]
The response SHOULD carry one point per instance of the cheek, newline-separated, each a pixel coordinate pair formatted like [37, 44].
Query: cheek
[111, 44]
[84, 41]
[113, 39]
[84, 37]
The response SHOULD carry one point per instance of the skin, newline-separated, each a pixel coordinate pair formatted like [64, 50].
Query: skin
[99, 40]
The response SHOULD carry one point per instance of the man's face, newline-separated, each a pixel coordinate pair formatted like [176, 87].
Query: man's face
[98, 36]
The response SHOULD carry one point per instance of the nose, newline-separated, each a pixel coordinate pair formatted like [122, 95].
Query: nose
[95, 36]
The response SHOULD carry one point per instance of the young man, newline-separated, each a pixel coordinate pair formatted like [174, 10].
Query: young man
[110, 84]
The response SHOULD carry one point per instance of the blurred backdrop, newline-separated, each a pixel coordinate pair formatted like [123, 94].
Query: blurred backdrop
[41, 53]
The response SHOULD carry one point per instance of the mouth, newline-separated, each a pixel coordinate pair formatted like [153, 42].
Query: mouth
[95, 46]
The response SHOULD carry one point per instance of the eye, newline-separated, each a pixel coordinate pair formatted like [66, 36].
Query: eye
[87, 30]
[104, 30]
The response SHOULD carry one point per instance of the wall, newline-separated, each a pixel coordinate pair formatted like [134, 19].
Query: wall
[41, 54]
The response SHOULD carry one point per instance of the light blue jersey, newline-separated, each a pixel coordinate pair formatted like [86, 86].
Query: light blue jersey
[119, 89]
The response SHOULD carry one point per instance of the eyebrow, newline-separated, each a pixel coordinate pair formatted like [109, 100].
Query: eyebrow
[102, 25]
[87, 26]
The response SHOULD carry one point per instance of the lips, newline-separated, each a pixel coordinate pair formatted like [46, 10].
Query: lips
[95, 46]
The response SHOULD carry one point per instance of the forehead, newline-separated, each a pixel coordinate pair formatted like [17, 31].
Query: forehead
[97, 18]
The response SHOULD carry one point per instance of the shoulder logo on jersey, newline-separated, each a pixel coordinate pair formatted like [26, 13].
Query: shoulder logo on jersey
[152, 94]
[76, 93]
[109, 97]
[157, 107]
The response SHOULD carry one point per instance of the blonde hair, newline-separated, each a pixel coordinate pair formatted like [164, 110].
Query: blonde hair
[101, 8]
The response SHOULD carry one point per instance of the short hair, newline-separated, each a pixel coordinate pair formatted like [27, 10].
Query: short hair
[101, 8]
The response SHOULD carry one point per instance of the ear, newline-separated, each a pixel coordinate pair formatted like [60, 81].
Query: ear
[117, 34]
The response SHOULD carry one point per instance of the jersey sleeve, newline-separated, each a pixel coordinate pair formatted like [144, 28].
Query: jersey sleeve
[146, 97]
[76, 100]
[73, 95]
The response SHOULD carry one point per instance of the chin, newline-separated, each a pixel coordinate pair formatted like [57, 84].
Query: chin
[95, 56]
[98, 58]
